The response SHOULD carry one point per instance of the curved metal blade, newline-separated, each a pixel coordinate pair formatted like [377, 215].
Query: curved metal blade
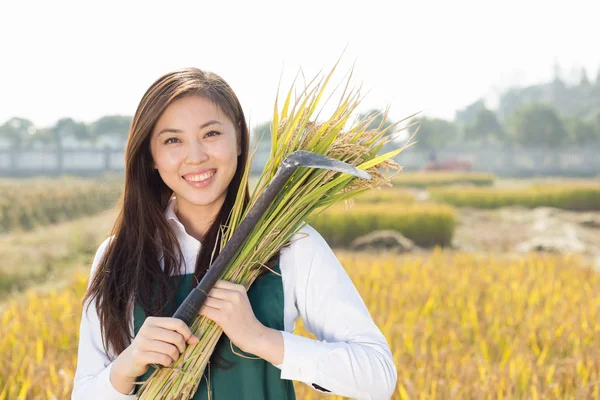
[309, 159]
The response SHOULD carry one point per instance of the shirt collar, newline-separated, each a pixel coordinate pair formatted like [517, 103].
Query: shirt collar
[189, 245]
[171, 216]
[171, 210]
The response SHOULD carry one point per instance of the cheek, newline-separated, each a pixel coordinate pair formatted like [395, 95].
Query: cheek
[225, 151]
[168, 159]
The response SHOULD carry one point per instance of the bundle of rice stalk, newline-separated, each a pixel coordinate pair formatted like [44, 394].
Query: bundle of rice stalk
[307, 193]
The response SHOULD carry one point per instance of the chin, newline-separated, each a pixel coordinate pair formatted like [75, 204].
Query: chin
[198, 199]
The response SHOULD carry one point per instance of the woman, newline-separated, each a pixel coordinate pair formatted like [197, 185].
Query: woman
[185, 157]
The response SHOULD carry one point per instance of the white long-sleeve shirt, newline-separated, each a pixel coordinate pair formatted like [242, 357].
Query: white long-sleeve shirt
[350, 357]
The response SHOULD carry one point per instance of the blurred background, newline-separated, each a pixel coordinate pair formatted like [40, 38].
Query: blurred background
[479, 263]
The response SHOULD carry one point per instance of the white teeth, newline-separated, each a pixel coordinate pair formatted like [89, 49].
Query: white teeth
[199, 178]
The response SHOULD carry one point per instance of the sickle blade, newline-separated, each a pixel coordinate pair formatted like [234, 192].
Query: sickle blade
[314, 160]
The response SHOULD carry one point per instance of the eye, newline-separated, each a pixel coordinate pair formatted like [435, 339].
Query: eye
[173, 139]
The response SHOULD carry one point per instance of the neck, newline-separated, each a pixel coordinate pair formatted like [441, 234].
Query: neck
[198, 219]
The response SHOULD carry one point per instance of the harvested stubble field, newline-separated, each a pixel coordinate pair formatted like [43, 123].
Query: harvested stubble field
[459, 325]
[481, 322]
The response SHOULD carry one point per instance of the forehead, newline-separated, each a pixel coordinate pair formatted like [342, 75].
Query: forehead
[195, 109]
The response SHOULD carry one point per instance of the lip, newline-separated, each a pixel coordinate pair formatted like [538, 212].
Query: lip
[199, 172]
[201, 184]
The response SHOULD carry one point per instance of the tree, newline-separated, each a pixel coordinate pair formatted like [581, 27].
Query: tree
[17, 130]
[68, 126]
[485, 129]
[537, 125]
[262, 134]
[584, 81]
[468, 115]
[596, 123]
[44, 135]
[377, 120]
[582, 132]
[111, 124]
[433, 133]
[510, 100]
[262, 131]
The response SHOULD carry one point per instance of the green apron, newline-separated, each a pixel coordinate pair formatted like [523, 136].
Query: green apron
[248, 379]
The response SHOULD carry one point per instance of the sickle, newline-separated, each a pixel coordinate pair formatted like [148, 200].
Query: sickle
[189, 309]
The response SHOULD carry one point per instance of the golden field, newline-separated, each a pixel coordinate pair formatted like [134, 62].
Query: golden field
[460, 326]
[570, 196]
[426, 224]
[28, 203]
[422, 179]
[47, 255]
[387, 195]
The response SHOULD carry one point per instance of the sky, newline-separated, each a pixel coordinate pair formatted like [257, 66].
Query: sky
[85, 60]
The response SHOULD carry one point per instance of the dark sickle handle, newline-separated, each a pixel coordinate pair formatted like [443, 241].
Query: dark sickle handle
[189, 309]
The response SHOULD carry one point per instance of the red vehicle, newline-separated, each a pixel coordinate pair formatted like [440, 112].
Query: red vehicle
[448, 165]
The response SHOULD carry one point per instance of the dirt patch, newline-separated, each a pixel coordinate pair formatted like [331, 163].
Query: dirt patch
[519, 229]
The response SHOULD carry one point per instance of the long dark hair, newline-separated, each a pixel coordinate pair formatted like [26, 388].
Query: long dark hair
[130, 268]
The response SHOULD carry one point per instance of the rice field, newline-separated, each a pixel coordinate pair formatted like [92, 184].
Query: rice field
[459, 325]
[49, 254]
[427, 224]
[30, 203]
[569, 196]
[387, 195]
[441, 178]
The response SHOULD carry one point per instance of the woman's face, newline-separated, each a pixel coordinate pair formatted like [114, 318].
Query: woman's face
[195, 148]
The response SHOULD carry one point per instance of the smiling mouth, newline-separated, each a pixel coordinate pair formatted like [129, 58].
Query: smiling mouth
[199, 178]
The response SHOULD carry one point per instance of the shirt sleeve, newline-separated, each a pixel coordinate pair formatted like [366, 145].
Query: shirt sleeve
[351, 356]
[92, 376]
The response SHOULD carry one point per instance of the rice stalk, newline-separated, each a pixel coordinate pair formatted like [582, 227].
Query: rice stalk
[294, 128]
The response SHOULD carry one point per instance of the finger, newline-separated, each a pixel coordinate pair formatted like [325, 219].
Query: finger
[221, 293]
[174, 324]
[210, 313]
[215, 303]
[167, 336]
[152, 357]
[164, 348]
[233, 296]
[222, 284]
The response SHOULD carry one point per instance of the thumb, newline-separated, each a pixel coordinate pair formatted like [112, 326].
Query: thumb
[193, 340]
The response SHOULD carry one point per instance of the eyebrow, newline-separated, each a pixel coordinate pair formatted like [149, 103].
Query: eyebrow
[204, 125]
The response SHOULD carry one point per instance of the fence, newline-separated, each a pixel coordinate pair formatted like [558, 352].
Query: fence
[504, 162]
[517, 162]
[84, 162]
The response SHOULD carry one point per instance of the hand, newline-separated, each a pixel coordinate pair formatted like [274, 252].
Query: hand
[228, 305]
[160, 340]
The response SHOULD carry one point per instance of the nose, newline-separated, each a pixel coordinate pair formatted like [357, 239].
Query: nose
[195, 153]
